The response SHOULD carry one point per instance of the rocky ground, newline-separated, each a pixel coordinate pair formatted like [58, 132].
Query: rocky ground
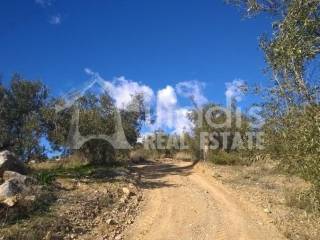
[97, 205]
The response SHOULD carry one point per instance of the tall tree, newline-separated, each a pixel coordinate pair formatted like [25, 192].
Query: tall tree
[292, 109]
[21, 116]
[96, 116]
[294, 43]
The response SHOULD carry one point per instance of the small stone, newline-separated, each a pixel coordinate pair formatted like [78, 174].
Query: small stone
[11, 201]
[130, 221]
[9, 162]
[123, 200]
[48, 236]
[267, 210]
[126, 191]
[111, 221]
[7, 175]
[119, 237]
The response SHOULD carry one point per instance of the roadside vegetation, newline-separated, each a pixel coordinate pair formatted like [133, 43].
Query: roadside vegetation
[291, 106]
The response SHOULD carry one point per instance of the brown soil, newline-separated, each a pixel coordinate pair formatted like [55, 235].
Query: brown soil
[183, 202]
[92, 207]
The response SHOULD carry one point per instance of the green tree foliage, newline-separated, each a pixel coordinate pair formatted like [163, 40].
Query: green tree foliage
[3, 127]
[292, 106]
[295, 42]
[132, 118]
[212, 118]
[21, 119]
[97, 116]
[27, 115]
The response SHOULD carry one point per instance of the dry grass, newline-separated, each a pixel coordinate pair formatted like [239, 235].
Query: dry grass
[305, 200]
[288, 197]
[184, 156]
[72, 161]
[138, 155]
[35, 228]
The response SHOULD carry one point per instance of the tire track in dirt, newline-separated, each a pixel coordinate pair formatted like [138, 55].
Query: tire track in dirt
[182, 202]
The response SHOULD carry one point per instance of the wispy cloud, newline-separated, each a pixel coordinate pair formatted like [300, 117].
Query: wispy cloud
[193, 90]
[44, 3]
[236, 90]
[55, 19]
[183, 123]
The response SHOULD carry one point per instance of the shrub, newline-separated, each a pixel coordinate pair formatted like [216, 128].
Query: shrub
[223, 158]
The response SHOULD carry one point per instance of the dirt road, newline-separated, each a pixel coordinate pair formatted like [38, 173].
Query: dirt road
[184, 202]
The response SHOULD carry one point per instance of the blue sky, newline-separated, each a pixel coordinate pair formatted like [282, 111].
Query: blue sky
[152, 42]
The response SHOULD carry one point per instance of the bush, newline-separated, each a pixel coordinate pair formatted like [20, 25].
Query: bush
[223, 158]
[294, 139]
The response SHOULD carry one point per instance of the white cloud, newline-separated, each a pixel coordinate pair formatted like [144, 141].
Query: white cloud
[193, 90]
[236, 90]
[122, 90]
[169, 114]
[183, 123]
[166, 107]
[55, 20]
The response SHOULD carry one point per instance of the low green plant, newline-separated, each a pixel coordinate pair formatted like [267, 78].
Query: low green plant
[45, 178]
[225, 158]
